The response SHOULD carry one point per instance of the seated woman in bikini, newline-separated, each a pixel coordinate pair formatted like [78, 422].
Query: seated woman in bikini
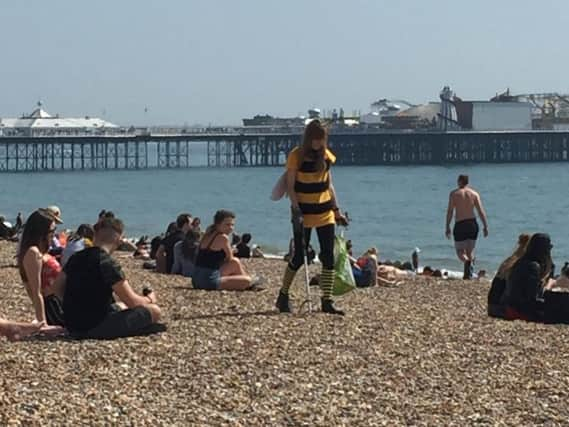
[216, 268]
[39, 270]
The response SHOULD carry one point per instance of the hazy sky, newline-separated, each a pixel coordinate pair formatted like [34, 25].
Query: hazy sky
[218, 61]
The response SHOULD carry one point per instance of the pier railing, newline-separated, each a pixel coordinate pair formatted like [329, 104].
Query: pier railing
[27, 154]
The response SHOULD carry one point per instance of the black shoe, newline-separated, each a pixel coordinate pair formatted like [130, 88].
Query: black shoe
[328, 307]
[283, 303]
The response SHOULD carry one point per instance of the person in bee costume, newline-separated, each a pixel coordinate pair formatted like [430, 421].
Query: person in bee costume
[313, 205]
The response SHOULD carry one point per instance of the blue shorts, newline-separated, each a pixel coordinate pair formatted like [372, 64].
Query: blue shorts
[206, 278]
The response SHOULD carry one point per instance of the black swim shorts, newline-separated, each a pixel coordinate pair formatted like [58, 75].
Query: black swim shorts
[465, 230]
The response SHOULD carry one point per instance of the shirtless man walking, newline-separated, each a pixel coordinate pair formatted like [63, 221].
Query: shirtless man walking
[462, 203]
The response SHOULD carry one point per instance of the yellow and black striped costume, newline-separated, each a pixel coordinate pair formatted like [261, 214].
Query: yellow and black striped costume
[312, 188]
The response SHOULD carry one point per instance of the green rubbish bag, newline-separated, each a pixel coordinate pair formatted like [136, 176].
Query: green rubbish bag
[344, 280]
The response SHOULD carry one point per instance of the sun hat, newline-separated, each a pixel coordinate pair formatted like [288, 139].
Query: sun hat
[55, 213]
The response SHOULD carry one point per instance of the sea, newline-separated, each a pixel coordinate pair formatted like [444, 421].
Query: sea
[394, 208]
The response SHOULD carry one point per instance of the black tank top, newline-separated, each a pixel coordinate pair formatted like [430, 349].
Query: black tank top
[208, 258]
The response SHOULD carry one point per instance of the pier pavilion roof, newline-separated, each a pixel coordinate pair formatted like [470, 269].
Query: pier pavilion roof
[41, 119]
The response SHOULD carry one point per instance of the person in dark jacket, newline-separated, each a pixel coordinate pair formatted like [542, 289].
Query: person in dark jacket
[495, 307]
[523, 296]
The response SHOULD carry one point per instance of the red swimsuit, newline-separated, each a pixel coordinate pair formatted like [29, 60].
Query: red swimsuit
[49, 271]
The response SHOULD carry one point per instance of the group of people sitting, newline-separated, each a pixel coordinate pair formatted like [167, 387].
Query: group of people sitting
[210, 259]
[75, 288]
[525, 286]
[72, 281]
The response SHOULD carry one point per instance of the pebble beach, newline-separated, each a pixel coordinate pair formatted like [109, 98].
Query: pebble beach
[421, 353]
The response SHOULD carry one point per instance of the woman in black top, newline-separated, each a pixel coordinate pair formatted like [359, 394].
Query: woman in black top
[495, 307]
[523, 296]
[216, 266]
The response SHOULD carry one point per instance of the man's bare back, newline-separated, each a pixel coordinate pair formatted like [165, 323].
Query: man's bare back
[463, 201]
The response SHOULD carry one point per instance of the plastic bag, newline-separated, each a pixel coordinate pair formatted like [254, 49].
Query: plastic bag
[344, 280]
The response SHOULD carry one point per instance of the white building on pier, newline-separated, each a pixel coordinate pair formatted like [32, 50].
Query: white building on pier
[41, 123]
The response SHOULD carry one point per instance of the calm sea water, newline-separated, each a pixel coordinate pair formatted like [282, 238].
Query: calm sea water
[393, 208]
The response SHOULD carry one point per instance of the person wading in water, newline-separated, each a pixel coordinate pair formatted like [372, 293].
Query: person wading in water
[462, 202]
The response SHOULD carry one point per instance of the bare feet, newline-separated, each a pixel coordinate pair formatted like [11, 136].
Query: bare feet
[51, 330]
[15, 331]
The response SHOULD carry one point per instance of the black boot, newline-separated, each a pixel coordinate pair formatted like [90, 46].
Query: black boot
[283, 303]
[328, 307]
[467, 270]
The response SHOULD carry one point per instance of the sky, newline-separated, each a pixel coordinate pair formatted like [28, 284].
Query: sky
[185, 62]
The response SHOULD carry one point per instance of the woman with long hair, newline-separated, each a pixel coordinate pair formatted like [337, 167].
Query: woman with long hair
[498, 286]
[39, 270]
[519, 251]
[216, 267]
[313, 205]
[523, 294]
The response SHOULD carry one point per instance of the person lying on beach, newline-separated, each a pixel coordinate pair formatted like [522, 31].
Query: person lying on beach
[185, 252]
[216, 267]
[38, 269]
[90, 278]
[165, 252]
[391, 272]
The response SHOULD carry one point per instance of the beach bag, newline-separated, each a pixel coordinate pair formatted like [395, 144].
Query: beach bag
[279, 189]
[344, 280]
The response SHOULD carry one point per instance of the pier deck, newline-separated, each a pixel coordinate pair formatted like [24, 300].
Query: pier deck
[28, 154]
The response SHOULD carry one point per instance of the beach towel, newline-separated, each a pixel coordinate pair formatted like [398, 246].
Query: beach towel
[279, 189]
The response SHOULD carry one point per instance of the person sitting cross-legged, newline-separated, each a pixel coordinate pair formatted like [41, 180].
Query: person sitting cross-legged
[90, 277]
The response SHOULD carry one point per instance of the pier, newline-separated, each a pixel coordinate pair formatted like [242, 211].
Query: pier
[240, 149]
